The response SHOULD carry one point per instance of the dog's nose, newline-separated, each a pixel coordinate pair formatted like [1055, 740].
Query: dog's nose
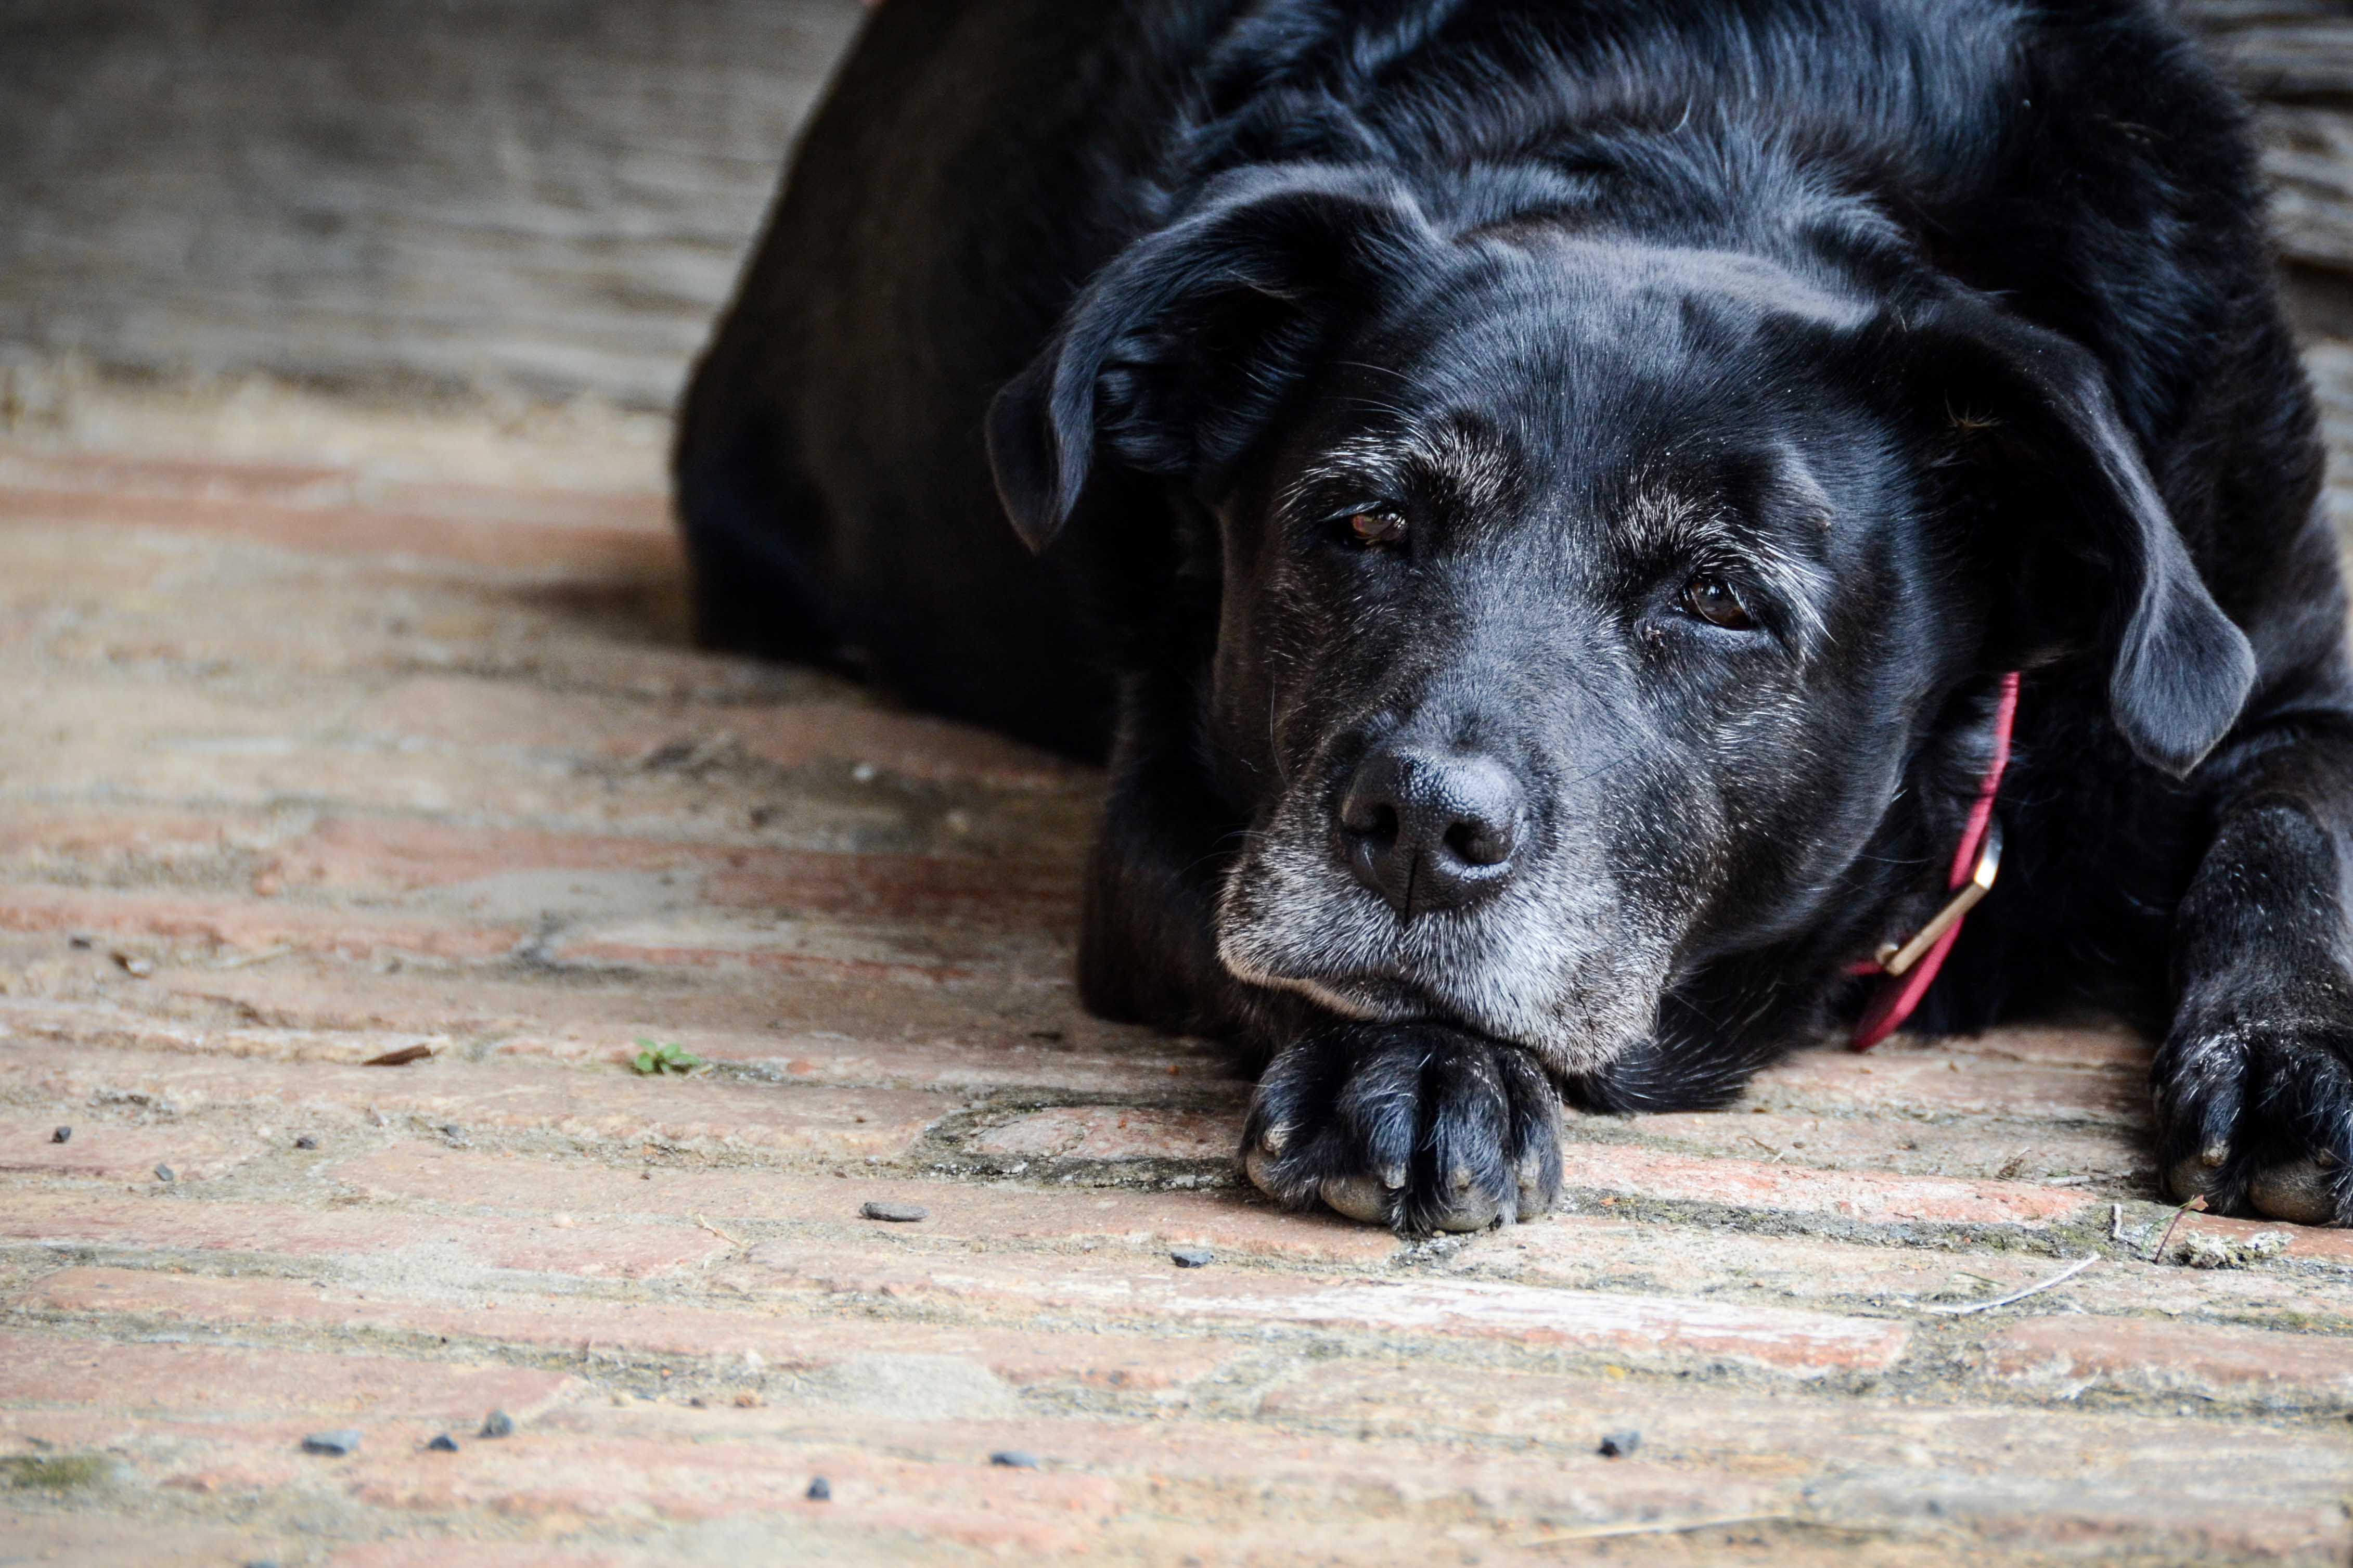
[1431, 830]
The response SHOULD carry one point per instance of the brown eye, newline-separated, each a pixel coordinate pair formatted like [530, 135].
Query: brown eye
[1712, 600]
[1377, 528]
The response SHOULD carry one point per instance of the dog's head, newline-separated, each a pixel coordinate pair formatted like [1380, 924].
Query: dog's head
[1584, 600]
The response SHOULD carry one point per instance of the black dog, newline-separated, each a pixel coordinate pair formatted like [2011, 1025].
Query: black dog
[1551, 491]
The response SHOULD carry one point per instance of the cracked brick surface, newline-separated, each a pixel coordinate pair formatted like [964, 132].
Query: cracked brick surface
[302, 768]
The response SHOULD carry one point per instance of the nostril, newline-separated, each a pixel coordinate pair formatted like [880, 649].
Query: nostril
[1480, 843]
[1370, 819]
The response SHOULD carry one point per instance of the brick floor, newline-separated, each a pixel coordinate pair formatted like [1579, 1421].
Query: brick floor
[300, 766]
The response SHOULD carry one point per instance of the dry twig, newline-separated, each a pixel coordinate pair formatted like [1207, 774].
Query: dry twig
[2059, 1278]
[734, 1241]
[2157, 1252]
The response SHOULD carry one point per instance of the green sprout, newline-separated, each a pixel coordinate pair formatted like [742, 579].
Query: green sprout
[653, 1058]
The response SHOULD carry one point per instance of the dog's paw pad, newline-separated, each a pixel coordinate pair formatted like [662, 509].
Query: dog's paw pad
[2302, 1192]
[1357, 1197]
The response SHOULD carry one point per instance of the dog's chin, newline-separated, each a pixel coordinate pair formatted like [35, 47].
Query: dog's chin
[1387, 999]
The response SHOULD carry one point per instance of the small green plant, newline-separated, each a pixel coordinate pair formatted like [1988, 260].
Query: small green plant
[654, 1059]
[55, 1472]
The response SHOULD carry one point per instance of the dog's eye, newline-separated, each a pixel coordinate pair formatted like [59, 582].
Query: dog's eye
[1377, 529]
[1711, 598]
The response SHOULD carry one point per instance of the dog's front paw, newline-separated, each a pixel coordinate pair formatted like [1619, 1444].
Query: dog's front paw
[1418, 1127]
[2255, 1112]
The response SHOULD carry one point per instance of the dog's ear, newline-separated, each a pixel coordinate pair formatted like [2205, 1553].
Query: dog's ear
[1180, 351]
[2029, 428]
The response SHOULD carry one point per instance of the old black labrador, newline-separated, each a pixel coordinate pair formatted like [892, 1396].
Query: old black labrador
[1552, 507]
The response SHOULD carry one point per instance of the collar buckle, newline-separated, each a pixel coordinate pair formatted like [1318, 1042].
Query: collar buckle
[1895, 958]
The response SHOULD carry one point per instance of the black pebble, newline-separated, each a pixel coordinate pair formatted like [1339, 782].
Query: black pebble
[1192, 1258]
[334, 1444]
[306, 1141]
[444, 1444]
[1619, 1445]
[164, 1173]
[820, 1491]
[895, 1214]
[498, 1424]
[1014, 1459]
[62, 1135]
[82, 943]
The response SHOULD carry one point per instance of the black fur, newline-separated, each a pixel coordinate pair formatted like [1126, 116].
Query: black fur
[1682, 411]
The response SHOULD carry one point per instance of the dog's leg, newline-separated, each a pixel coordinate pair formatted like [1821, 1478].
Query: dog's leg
[2254, 1083]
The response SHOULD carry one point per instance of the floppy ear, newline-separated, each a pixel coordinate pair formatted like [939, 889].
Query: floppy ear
[1180, 352]
[2041, 438]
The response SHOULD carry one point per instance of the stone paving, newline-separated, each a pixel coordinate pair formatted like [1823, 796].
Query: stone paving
[360, 830]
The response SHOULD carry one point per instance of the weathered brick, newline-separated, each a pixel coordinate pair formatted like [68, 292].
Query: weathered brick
[2134, 1481]
[233, 922]
[588, 547]
[47, 1369]
[97, 1149]
[1115, 1132]
[722, 1338]
[960, 1212]
[2298, 1242]
[1666, 1331]
[86, 1537]
[471, 713]
[1590, 1253]
[602, 1102]
[2012, 1073]
[160, 1221]
[927, 1038]
[1851, 1194]
[2102, 1160]
[403, 856]
[2065, 1355]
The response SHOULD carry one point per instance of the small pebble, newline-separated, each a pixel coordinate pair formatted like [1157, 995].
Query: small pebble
[335, 1443]
[164, 1173]
[820, 1491]
[62, 1135]
[1014, 1459]
[306, 1141]
[1619, 1445]
[499, 1423]
[444, 1444]
[137, 968]
[82, 943]
[1192, 1258]
[895, 1214]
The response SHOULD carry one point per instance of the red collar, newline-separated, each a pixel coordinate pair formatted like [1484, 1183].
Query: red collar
[1910, 967]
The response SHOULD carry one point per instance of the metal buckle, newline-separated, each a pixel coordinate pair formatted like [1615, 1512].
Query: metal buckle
[1897, 958]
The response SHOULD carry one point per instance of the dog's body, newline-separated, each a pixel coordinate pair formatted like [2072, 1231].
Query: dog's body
[1547, 490]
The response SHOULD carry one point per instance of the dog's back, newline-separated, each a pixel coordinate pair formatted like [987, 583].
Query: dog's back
[977, 161]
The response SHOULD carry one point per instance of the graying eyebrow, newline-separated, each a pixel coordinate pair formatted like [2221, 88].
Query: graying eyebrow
[1473, 473]
[1661, 521]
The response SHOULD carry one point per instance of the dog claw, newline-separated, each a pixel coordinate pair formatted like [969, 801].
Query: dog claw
[1392, 1176]
[1531, 1184]
[2214, 1155]
[1359, 1197]
[1258, 1166]
[2300, 1192]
